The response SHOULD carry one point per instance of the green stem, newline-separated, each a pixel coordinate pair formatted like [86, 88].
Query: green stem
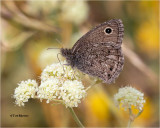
[139, 113]
[75, 117]
[91, 86]
[129, 123]
[130, 118]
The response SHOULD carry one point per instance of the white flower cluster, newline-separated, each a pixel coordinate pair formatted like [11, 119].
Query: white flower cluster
[68, 9]
[59, 71]
[25, 90]
[58, 83]
[47, 57]
[72, 92]
[77, 9]
[128, 96]
[49, 89]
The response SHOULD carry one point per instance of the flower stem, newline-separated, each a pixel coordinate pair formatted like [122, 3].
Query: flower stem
[91, 85]
[129, 123]
[139, 113]
[75, 117]
[130, 118]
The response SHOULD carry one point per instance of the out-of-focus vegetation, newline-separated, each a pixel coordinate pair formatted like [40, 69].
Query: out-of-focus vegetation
[30, 27]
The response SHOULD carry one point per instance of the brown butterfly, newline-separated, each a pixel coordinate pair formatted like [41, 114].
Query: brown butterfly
[98, 53]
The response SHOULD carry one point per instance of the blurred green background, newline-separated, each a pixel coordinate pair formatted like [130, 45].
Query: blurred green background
[30, 27]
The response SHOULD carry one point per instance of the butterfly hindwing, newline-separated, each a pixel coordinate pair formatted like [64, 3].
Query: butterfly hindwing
[100, 61]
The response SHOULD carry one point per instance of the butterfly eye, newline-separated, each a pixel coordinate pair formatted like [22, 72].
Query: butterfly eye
[108, 30]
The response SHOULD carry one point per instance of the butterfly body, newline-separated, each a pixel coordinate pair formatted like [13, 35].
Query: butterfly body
[98, 53]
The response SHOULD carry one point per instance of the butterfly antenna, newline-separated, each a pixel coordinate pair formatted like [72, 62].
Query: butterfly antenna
[53, 48]
[66, 64]
[60, 62]
[59, 43]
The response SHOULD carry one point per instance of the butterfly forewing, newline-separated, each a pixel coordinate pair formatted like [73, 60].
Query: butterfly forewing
[98, 34]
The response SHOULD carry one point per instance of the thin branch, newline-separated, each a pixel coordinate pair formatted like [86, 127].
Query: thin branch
[17, 41]
[76, 118]
[26, 21]
[138, 63]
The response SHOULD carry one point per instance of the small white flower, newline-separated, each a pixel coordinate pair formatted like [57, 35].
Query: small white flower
[49, 89]
[59, 71]
[72, 92]
[24, 91]
[47, 57]
[77, 9]
[128, 96]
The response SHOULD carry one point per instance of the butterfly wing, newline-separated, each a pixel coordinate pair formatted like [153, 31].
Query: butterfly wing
[98, 34]
[98, 53]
